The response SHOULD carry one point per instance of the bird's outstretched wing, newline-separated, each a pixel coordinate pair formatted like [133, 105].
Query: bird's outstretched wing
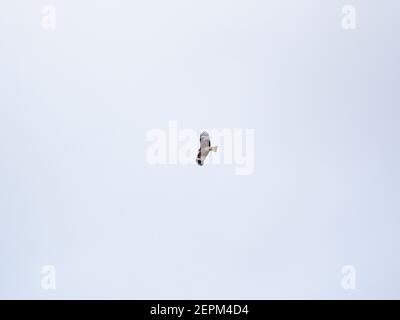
[204, 140]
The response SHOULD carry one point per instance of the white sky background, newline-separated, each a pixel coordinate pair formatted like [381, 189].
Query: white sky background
[76, 191]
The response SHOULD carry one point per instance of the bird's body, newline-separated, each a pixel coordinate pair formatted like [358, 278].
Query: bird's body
[205, 148]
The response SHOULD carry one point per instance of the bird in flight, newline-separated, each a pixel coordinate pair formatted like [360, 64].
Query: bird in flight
[205, 148]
